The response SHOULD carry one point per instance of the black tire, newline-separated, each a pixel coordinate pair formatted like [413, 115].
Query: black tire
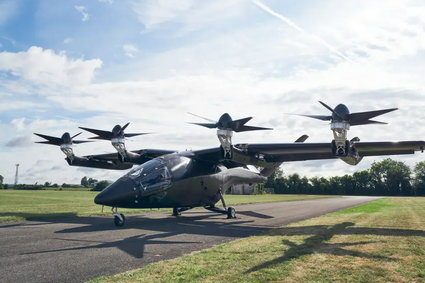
[231, 213]
[119, 221]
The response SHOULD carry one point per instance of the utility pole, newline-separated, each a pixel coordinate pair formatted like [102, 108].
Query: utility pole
[16, 175]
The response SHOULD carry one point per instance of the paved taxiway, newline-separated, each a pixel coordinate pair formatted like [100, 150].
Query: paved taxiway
[76, 249]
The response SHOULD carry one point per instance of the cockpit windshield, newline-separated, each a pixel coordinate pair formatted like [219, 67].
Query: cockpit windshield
[151, 172]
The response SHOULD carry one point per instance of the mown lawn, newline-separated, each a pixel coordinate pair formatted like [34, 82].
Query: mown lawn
[382, 241]
[17, 205]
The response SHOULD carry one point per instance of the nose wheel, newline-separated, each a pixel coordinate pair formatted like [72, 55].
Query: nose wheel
[119, 218]
[231, 213]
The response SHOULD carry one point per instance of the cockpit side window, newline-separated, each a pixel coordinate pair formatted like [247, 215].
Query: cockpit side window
[178, 165]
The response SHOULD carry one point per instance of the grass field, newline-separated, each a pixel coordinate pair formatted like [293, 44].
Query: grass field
[382, 241]
[16, 205]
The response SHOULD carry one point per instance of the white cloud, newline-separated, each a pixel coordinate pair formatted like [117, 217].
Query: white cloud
[21, 141]
[83, 11]
[154, 12]
[130, 50]
[19, 123]
[68, 40]
[44, 66]
[189, 14]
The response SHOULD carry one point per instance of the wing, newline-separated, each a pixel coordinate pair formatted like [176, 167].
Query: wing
[113, 160]
[286, 152]
[388, 148]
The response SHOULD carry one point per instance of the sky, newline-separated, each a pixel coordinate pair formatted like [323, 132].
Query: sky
[65, 64]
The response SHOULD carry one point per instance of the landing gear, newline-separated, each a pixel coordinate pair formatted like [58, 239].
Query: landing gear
[177, 211]
[119, 218]
[231, 213]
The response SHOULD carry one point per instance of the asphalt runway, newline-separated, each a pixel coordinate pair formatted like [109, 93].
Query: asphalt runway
[76, 249]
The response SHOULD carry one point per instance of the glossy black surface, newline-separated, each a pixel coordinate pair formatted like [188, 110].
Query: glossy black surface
[173, 180]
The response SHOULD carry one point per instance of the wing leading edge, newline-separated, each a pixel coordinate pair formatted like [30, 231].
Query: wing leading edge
[113, 160]
[286, 152]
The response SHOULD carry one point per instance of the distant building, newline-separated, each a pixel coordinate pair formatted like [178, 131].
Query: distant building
[242, 189]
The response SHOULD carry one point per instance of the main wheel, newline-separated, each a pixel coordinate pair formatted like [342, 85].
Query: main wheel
[231, 213]
[119, 220]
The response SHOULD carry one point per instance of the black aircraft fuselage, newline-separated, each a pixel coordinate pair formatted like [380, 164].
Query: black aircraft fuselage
[174, 181]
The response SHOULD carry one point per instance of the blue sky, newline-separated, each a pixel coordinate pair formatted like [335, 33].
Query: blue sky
[65, 64]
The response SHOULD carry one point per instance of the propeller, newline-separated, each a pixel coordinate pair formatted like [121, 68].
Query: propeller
[65, 139]
[341, 113]
[227, 123]
[117, 132]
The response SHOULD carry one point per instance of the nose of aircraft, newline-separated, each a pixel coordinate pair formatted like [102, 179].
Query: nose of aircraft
[116, 193]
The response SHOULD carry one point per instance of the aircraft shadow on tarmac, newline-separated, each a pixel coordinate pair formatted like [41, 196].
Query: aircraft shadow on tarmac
[317, 242]
[37, 218]
[195, 223]
[198, 223]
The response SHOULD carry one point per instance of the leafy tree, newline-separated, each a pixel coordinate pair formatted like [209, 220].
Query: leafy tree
[362, 183]
[271, 180]
[84, 182]
[419, 178]
[1, 182]
[319, 185]
[100, 185]
[47, 184]
[91, 182]
[391, 177]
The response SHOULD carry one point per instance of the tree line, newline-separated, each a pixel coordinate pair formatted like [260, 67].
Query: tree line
[384, 178]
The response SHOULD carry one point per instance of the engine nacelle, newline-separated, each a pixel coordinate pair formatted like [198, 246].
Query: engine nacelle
[352, 159]
[67, 150]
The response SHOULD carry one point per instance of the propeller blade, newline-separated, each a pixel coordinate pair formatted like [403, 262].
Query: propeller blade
[236, 124]
[250, 128]
[303, 138]
[77, 142]
[359, 117]
[103, 135]
[76, 135]
[206, 119]
[319, 117]
[207, 125]
[330, 109]
[367, 122]
[135, 134]
[52, 140]
[98, 138]
[125, 126]
[47, 142]
[326, 106]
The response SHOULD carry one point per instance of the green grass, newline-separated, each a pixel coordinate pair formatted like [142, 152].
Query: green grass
[383, 241]
[380, 205]
[18, 205]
